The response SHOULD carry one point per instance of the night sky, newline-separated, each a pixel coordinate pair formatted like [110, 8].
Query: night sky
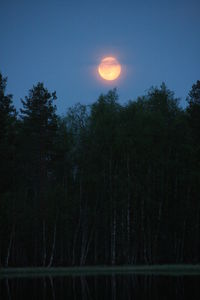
[62, 42]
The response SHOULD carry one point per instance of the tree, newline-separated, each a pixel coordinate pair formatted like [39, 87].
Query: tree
[7, 110]
[7, 168]
[7, 136]
[39, 126]
[193, 117]
[193, 110]
[37, 155]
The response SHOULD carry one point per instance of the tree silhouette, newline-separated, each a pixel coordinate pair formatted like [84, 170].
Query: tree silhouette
[103, 184]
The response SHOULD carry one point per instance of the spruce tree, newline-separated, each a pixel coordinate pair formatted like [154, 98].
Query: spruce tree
[7, 135]
[39, 130]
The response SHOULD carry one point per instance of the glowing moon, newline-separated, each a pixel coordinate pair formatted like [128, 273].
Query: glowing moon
[109, 68]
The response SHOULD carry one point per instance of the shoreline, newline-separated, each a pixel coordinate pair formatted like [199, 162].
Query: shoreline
[168, 270]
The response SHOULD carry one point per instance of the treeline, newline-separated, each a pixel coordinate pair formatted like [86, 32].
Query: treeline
[104, 184]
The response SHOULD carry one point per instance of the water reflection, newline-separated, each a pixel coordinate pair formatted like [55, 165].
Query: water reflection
[101, 287]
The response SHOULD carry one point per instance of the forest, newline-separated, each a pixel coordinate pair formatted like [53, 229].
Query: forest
[104, 184]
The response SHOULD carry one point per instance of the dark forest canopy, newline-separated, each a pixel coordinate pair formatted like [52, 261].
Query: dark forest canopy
[104, 184]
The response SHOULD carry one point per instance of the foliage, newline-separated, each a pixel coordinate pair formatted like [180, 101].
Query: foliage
[105, 184]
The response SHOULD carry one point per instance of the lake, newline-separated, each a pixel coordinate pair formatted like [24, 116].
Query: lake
[101, 287]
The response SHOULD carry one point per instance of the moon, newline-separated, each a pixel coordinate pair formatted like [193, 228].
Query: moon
[109, 68]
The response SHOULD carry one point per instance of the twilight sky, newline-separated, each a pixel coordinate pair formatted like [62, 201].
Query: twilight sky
[61, 43]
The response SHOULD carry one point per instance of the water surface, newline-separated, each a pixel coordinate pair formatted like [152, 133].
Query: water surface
[101, 287]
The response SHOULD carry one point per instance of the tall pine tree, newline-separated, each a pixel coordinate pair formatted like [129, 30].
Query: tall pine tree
[7, 136]
[39, 131]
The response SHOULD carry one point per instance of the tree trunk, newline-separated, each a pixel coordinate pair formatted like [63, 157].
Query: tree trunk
[53, 244]
[9, 246]
[44, 244]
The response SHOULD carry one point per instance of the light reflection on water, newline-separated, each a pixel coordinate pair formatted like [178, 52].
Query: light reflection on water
[101, 287]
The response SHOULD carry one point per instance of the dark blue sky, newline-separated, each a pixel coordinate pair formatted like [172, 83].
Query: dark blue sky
[61, 43]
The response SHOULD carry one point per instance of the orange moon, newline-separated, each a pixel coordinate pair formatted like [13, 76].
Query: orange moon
[109, 68]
